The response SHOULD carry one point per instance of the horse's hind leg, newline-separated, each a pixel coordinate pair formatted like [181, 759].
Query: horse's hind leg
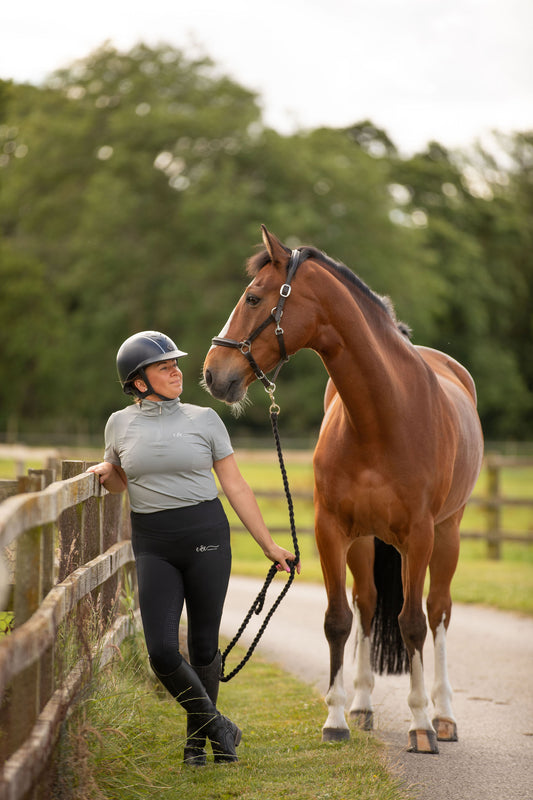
[361, 564]
[332, 546]
[442, 567]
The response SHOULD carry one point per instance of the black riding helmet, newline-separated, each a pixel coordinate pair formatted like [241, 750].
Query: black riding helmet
[138, 352]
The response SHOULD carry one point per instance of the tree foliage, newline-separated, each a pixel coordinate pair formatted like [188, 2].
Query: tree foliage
[133, 186]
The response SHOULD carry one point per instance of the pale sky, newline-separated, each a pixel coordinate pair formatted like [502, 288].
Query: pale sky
[450, 70]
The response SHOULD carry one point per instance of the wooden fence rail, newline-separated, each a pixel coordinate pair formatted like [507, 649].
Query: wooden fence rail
[72, 544]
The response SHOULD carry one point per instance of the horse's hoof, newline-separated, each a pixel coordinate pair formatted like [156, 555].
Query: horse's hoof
[422, 741]
[335, 734]
[362, 719]
[446, 729]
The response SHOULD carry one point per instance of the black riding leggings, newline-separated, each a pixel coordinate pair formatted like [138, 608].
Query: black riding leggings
[182, 555]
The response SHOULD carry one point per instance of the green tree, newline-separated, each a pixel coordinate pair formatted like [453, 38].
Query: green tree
[133, 189]
[29, 335]
[93, 189]
[480, 235]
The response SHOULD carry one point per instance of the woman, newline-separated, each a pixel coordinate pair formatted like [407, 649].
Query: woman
[163, 452]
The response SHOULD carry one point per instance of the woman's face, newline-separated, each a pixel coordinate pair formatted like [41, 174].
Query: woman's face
[165, 378]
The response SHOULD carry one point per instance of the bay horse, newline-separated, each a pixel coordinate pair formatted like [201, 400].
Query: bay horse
[398, 454]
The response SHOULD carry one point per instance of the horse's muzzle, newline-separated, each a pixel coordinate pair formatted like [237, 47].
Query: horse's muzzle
[228, 388]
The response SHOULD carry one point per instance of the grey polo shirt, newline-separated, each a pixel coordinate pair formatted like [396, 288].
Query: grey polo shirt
[167, 450]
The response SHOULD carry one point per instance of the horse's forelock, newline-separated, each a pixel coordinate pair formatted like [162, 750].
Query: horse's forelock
[256, 263]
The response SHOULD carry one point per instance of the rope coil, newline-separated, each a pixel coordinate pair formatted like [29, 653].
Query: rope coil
[259, 602]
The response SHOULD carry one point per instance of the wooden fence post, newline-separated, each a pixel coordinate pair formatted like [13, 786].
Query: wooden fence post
[70, 522]
[24, 706]
[494, 531]
[48, 544]
[112, 520]
[91, 534]
[70, 559]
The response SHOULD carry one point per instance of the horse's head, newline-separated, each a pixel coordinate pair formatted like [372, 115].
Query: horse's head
[256, 338]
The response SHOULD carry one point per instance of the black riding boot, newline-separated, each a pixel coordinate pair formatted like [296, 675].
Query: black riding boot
[185, 685]
[194, 753]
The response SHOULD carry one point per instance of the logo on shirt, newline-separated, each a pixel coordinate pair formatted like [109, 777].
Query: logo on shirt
[203, 548]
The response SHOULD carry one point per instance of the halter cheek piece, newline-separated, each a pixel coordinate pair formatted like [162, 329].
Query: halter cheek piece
[245, 346]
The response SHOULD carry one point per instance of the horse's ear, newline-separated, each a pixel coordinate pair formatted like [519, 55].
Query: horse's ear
[277, 251]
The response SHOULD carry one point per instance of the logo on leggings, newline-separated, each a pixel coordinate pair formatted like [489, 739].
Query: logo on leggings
[202, 548]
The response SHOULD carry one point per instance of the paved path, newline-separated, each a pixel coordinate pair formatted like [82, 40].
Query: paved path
[490, 657]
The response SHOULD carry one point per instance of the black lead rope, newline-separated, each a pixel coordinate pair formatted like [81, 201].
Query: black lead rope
[259, 602]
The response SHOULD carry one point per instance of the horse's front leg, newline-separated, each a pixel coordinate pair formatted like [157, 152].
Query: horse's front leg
[361, 564]
[412, 621]
[439, 604]
[337, 626]
[337, 623]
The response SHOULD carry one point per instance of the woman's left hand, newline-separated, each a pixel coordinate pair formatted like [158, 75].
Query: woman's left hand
[281, 557]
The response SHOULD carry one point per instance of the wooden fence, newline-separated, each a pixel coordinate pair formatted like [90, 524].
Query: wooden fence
[72, 547]
[491, 502]
[495, 534]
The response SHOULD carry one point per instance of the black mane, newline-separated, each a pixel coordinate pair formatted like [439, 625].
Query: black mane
[261, 259]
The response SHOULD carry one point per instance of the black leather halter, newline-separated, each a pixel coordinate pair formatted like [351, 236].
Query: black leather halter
[245, 346]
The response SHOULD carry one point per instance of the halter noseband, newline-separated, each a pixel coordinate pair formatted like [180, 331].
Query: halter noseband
[245, 346]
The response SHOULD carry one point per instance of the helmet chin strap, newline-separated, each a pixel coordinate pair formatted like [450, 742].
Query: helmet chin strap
[149, 389]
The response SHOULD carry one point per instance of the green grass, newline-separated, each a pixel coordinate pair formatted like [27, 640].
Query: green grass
[506, 584]
[6, 622]
[125, 740]
[8, 468]
[516, 482]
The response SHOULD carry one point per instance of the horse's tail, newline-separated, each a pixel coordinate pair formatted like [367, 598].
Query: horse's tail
[388, 651]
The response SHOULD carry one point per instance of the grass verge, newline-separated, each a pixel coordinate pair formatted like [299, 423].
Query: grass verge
[506, 584]
[124, 741]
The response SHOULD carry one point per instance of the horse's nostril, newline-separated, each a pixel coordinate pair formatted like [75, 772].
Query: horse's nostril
[208, 377]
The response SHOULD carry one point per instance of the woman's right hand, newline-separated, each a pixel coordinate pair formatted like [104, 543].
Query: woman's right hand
[104, 470]
[111, 476]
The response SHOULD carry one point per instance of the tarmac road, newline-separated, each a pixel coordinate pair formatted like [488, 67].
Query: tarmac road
[490, 660]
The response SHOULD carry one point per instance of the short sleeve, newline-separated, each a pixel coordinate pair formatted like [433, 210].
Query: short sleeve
[110, 453]
[220, 442]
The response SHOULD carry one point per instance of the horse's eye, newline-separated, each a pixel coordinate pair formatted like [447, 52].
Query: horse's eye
[252, 300]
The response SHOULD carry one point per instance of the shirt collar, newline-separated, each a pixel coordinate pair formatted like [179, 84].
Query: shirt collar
[154, 408]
